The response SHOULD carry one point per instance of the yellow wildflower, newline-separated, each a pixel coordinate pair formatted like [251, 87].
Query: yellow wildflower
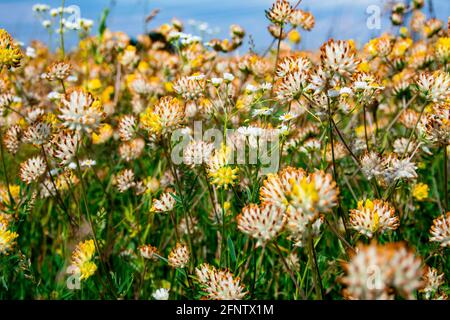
[420, 191]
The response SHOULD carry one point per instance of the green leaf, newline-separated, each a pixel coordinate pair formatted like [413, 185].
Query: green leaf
[102, 26]
[231, 251]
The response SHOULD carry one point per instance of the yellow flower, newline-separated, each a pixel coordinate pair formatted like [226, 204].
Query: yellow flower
[420, 191]
[304, 191]
[368, 204]
[143, 66]
[151, 121]
[404, 32]
[401, 46]
[87, 269]
[227, 205]
[7, 239]
[94, 84]
[81, 259]
[364, 67]
[107, 94]
[359, 131]
[294, 36]
[168, 86]
[15, 193]
[352, 44]
[372, 47]
[223, 177]
[443, 48]
[51, 118]
[10, 54]
[105, 132]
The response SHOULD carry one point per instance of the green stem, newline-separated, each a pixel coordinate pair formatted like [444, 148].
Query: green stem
[61, 29]
[291, 273]
[88, 214]
[5, 172]
[315, 269]
[446, 178]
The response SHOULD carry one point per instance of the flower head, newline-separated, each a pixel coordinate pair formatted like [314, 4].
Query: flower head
[38, 133]
[165, 203]
[10, 54]
[435, 87]
[219, 171]
[373, 216]
[440, 230]
[179, 256]
[7, 237]
[167, 115]
[197, 153]
[125, 180]
[32, 169]
[219, 284]
[433, 281]
[420, 191]
[339, 57]
[377, 271]
[65, 147]
[82, 259]
[261, 222]
[280, 12]
[148, 252]
[127, 127]
[58, 71]
[161, 294]
[80, 112]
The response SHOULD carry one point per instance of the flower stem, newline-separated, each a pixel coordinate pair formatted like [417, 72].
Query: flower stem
[315, 269]
[291, 273]
[446, 178]
[61, 29]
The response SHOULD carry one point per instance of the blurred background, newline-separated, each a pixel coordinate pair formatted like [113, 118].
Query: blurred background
[341, 19]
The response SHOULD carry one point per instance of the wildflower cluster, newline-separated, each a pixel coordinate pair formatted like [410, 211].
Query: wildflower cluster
[196, 171]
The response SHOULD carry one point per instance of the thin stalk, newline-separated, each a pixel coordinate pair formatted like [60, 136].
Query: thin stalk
[291, 273]
[276, 58]
[330, 132]
[446, 178]
[183, 203]
[57, 195]
[315, 269]
[61, 30]
[365, 128]
[222, 251]
[63, 86]
[5, 173]
[88, 214]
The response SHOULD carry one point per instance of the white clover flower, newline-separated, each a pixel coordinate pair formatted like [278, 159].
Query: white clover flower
[39, 7]
[197, 77]
[262, 112]
[216, 81]
[72, 165]
[360, 85]
[31, 52]
[72, 78]
[251, 88]
[161, 294]
[228, 77]
[54, 12]
[266, 86]
[345, 91]
[333, 93]
[88, 163]
[46, 23]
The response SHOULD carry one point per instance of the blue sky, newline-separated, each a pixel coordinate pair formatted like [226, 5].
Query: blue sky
[337, 18]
